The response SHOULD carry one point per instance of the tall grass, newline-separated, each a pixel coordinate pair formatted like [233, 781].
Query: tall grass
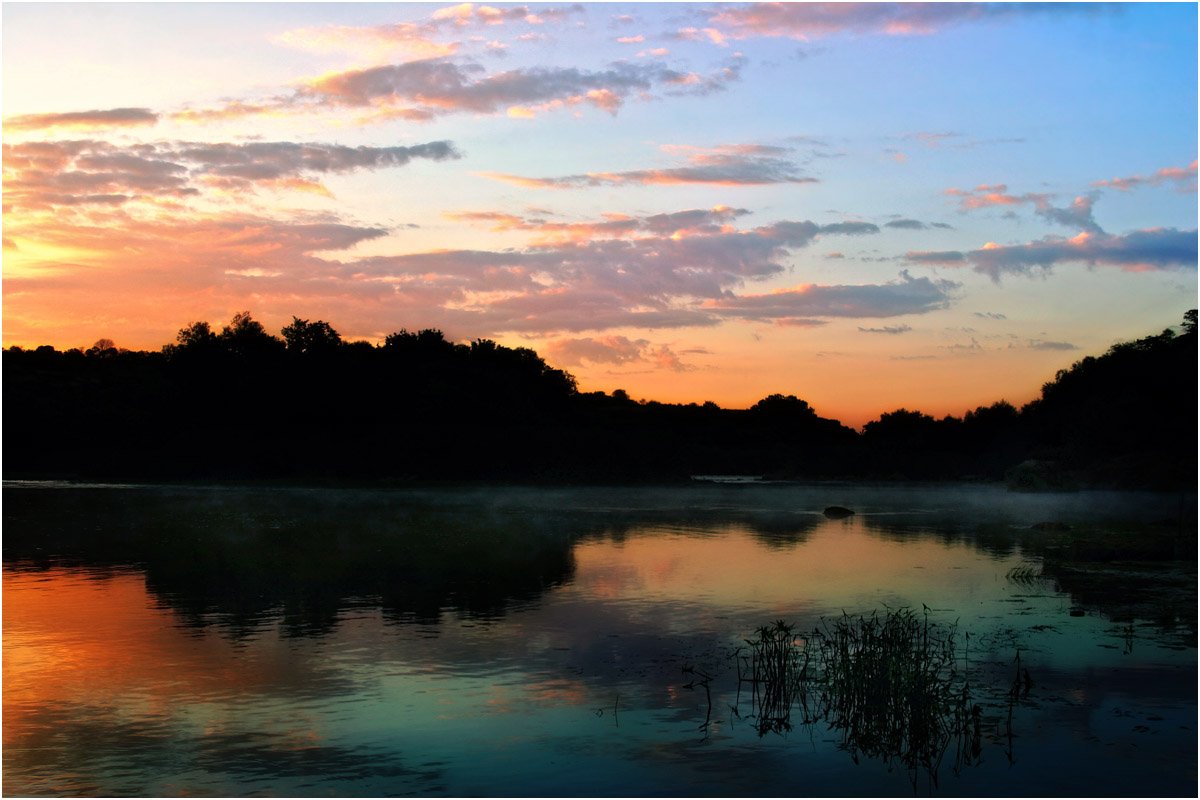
[887, 683]
[778, 673]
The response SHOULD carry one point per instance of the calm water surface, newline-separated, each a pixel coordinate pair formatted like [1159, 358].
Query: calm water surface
[170, 641]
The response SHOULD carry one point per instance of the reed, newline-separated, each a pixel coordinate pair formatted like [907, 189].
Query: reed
[888, 683]
[1025, 573]
[778, 671]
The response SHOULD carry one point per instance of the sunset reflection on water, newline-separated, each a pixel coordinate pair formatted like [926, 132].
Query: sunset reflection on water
[137, 679]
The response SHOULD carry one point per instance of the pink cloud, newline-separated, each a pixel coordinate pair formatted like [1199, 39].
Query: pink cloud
[807, 21]
[1184, 177]
[725, 165]
[110, 118]
[82, 172]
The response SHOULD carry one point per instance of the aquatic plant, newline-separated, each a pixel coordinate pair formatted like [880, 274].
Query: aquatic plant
[1025, 573]
[888, 683]
[778, 672]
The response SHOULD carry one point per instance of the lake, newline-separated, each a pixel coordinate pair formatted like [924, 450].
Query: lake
[581, 641]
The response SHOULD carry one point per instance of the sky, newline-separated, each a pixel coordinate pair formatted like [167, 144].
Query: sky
[868, 206]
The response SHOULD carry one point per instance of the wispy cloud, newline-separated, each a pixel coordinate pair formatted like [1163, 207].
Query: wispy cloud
[110, 118]
[1078, 215]
[399, 41]
[989, 195]
[1038, 344]
[674, 225]
[888, 329]
[617, 351]
[1184, 179]
[939, 140]
[724, 165]
[711, 35]
[421, 39]
[906, 224]
[806, 21]
[907, 295]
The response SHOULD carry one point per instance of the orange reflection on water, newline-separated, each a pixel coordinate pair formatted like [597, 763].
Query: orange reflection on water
[837, 563]
[98, 641]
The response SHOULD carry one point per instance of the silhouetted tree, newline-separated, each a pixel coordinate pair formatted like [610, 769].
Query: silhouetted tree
[1124, 417]
[779, 405]
[245, 337]
[901, 429]
[197, 341]
[422, 406]
[103, 348]
[307, 337]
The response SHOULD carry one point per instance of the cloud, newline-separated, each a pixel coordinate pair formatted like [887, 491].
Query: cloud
[711, 35]
[949, 258]
[1155, 249]
[989, 195]
[850, 228]
[402, 40]
[603, 350]
[723, 165]
[989, 314]
[906, 224]
[233, 109]
[616, 350]
[255, 160]
[1139, 251]
[1077, 216]
[440, 86]
[465, 14]
[652, 271]
[1037, 344]
[932, 139]
[613, 226]
[82, 172]
[422, 39]
[111, 118]
[806, 21]
[1183, 177]
[937, 140]
[908, 295]
[890, 329]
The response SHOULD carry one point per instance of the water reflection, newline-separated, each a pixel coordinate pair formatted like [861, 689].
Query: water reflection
[306, 642]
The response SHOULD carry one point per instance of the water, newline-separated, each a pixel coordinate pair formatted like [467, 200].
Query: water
[215, 641]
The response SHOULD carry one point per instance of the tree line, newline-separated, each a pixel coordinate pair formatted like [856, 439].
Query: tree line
[242, 404]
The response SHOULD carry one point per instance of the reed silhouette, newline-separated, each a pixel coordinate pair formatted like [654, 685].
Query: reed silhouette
[888, 685]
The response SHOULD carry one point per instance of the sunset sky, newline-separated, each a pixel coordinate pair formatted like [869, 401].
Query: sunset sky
[867, 206]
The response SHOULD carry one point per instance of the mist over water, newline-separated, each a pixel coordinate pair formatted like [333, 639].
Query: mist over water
[519, 641]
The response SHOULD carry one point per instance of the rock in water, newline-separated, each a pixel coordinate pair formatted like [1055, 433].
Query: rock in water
[838, 512]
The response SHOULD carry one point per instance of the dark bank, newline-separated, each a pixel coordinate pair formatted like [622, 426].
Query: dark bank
[242, 404]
